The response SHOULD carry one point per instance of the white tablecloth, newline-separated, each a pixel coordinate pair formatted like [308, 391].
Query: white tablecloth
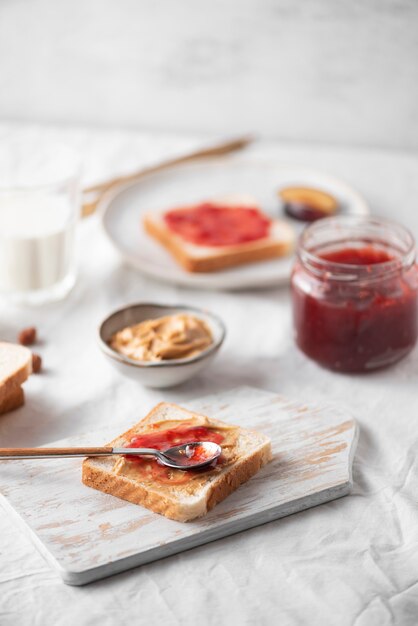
[353, 561]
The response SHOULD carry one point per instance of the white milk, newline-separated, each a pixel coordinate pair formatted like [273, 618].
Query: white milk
[36, 241]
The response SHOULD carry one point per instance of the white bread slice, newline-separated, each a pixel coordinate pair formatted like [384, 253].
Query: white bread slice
[196, 258]
[15, 368]
[252, 450]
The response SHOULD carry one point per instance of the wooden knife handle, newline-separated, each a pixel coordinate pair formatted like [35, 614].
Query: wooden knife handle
[94, 193]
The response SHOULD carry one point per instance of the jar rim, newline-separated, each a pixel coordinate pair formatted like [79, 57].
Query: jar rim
[353, 272]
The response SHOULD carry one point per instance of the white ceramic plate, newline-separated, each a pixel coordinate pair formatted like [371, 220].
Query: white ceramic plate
[198, 181]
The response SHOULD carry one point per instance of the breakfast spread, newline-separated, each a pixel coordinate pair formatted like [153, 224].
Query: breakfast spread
[214, 235]
[179, 336]
[178, 494]
[307, 204]
[354, 305]
[355, 295]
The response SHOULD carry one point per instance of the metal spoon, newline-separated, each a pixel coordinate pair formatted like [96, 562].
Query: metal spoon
[186, 456]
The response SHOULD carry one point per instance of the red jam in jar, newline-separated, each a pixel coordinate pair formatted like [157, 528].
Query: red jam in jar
[354, 293]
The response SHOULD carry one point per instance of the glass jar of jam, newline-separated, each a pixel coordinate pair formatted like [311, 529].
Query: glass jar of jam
[354, 293]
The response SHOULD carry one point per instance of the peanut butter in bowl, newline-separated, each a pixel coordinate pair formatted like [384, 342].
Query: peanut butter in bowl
[177, 336]
[160, 345]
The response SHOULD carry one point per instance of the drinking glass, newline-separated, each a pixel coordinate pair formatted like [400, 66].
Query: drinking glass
[39, 209]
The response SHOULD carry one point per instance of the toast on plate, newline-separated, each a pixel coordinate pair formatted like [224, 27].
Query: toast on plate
[15, 368]
[276, 240]
[177, 494]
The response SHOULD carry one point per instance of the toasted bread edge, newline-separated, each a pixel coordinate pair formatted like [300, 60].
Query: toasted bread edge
[14, 400]
[20, 370]
[231, 257]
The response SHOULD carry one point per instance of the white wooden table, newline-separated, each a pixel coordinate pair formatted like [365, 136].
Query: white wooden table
[353, 561]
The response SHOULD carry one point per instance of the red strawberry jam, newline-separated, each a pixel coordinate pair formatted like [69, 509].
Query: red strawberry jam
[209, 224]
[355, 300]
[164, 439]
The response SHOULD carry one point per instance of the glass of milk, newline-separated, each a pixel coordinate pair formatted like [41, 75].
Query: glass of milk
[39, 208]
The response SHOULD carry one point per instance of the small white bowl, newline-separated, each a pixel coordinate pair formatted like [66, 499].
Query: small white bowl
[158, 374]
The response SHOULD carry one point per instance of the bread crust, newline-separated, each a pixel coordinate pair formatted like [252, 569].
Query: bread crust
[230, 256]
[161, 500]
[239, 474]
[20, 370]
[14, 400]
[124, 488]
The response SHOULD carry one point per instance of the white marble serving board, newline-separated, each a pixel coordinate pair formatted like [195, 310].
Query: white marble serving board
[87, 535]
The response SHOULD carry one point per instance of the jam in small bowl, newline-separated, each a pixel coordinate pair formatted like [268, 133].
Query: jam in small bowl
[355, 293]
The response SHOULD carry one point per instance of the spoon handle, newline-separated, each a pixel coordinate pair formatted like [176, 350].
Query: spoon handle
[13, 454]
[137, 451]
